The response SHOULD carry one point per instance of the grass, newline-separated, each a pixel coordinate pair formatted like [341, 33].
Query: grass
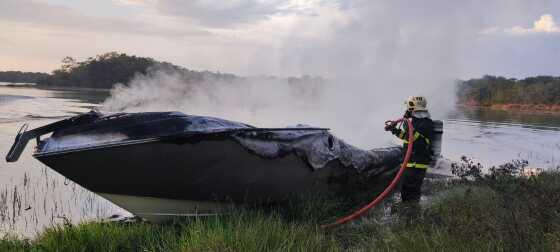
[495, 212]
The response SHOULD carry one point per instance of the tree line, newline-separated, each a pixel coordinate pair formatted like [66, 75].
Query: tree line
[106, 70]
[101, 71]
[490, 90]
[22, 77]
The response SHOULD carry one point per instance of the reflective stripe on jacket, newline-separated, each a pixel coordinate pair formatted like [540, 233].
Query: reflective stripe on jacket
[422, 147]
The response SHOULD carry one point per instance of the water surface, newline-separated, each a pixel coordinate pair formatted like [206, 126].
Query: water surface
[33, 197]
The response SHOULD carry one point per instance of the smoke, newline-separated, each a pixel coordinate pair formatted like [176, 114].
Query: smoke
[263, 101]
[373, 57]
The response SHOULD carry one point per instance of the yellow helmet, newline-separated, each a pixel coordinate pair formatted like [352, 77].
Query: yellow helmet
[416, 103]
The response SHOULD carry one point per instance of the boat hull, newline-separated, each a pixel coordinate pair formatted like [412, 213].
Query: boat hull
[160, 209]
[169, 163]
[208, 170]
[159, 179]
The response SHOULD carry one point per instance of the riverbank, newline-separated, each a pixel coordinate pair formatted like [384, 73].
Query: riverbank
[531, 94]
[544, 108]
[496, 212]
[514, 107]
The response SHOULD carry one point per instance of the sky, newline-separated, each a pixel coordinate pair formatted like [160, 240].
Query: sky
[338, 38]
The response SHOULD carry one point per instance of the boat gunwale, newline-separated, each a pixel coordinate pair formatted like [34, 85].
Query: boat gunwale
[180, 135]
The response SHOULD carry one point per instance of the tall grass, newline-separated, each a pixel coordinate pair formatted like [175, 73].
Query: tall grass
[45, 199]
[494, 212]
[240, 231]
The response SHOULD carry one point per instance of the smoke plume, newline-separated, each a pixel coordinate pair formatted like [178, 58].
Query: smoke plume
[266, 102]
[372, 56]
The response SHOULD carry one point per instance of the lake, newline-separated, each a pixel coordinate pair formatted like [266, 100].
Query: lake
[33, 197]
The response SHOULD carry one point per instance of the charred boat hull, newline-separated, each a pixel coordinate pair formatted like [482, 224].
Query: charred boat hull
[164, 175]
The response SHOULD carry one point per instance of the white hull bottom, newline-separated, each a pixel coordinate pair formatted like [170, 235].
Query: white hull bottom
[157, 210]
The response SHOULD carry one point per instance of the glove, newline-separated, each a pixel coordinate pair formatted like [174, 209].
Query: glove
[390, 126]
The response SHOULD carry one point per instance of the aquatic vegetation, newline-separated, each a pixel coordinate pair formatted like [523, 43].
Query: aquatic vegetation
[47, 199]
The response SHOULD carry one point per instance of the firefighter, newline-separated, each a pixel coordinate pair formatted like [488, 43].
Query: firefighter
[421, 157]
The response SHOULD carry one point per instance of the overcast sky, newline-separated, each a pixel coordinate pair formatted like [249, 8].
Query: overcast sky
[514, 38]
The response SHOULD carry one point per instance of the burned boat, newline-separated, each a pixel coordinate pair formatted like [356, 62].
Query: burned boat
[162, 164]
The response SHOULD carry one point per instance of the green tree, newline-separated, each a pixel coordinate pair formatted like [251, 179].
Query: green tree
[490, 90]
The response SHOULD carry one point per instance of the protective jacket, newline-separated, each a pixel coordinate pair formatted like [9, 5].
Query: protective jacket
[423, 132]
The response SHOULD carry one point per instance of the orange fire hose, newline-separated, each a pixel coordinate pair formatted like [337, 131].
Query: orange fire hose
[360, 212]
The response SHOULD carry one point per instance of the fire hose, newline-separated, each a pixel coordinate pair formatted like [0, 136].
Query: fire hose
[362, 211]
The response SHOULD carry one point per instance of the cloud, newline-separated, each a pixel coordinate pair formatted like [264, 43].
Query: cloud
[132, 2]
[232, 13]
[288, 37]
[223, 13]
[41, 14]
[545, 24]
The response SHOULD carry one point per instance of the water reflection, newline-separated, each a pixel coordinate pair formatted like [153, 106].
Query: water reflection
[90, 96]
[495, 137]
[44, 198]
[32, 196]
[519, 118]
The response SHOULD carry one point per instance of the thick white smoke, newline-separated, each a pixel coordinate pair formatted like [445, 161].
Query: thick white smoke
[261, 101]
[373, 56]
[267, 102]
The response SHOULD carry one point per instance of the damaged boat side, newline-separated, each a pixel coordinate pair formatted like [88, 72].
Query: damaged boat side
[165, 164]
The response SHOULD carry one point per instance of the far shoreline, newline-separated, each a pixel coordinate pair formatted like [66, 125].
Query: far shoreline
[49, 87]
[517, 107]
